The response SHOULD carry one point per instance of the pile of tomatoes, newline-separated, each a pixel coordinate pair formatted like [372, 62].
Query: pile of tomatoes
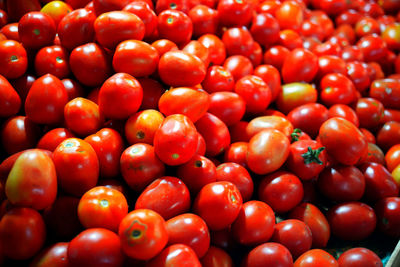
[198, 132]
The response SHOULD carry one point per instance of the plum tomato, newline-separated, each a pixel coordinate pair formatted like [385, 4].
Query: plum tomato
[268, 254]
[176, 254]
[388, 212]
[54, 255]
[359, 257]
[316, 257]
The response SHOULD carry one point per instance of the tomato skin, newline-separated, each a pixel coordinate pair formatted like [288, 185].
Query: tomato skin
[36, 30]
[387, 213]
[179, 68]
[191, 230]
[204, 19]
[281, 190]
[55, 255]
[218, 204]
[254, 224]
[352, 220]
[294, 95]
[308, 117]
[215, 46]
[39, 193]
[102, 6]
[152, 91]
[102, 207]
[52, 60]
[175, 255]
[388, 135]
[276, 122]
[174, 25]
[359, 257]
[145, 12]
[255, 93]
[120, 96]
[136, 58]
[344, 111]
[22, 233]
[392, 157]
[336, 88]
[314, 258]
[267, 151]
[299, 59]
[343, 141]
[69, 28]
[232, 13]
[268, 254]
[140, 166]
[168, 196]
[10, 101]
[97, 246]
[14, 60]
[237, 41]
[183, 100]
[216, 257]
[141, 126]
[53, 138]
[218, 79]
[143, 234]
[228, 106]
[316, 220]
[77, 166]
[56, 10]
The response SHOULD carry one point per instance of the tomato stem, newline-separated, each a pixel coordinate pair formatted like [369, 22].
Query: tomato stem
[295, 135]
[312, 155]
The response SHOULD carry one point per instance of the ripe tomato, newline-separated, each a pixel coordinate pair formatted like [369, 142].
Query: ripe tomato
[239, 66]
[141, 127]
[120, 96]
[234, 13]
[218, 204]
[359, 257]
[237, 41]
[152, 91]
[97, 246]
[254, 224]
[204, 19]
[199, 50]
[388, 135]
[279, 123]
[343, 141]
[102, 207]
[143, 234]
[38, 193]
[191, 230]
[145, 12]
[216, 257]
[345, 112]
[387, 213]
[77, 166]
[177, 254]
[56, 10]
[175, 26]
[54, 255]
[216, 48]
[22, 233]
[308, 117]
[336, 88]
[9, 99]
[392, 157]
[314, 258]
[14, 61]
[294, 95]
[300, 65]
[52, 60]
[268, 254]
[102, 6]
[236, 153]
[36, 30]
[228, 106]
[255, 92]
[53, 138]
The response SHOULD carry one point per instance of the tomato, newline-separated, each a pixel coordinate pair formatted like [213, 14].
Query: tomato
[268, 254]
[73, 88]
[145, 12]
[388, 135]
[255, 92]
[54, 255]
[237, 41]
[387, 212]
[236, 153]
[136, 58]
[239, 66]
[197, 172]
[97, 246]
[216, 48]
[77, 166]
[69, 29]
[108, 145]
[120, 96]
[19, 133]
[175, 26]
[369, 112]
[14, 61]
[218, 79]
[141, 127]
[204, 19]
[336, 88]
[102, 6]
[379, 183]
[22, 233]
[267, 151]
[342, 183]
[182, 100]
[307, 158]
[372, 47]
[152, 91]
[352, 220]
[359, 257]
[308, 117]
[254, 224]
[38, 193]
[345, 112]
[234, 13]
[56, 10]
[343, 141]
[300, 65]
[9, 98]
[216, 257]
[314, 258]
[294, 95]
[392, 157]
[36, 30]
[143, 234]
[53, 138]
[218, 204]
[265, 29]
[177, 254]
[180, 5]
[102, 207]
[52, 60]
[228, 106]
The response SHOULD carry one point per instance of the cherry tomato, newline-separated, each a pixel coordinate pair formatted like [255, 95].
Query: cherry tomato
[215, 46]
[314, 258]
[175, 26]
[345, 112]
[14, 61]
[392, 157]
[218, 79]
[177, 254]
[143, 234]
[268, 254]
[359, 257]
[255, 92]
[56, 10]
[152, 91]
[102, 6]
[234, 13]
[141, 127]
[388, 135]
[236, 153]
[239, 66]
[336, 88]
[237, 41]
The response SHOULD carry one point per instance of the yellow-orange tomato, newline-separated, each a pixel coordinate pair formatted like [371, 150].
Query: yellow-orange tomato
[56, 10]
[294, 95]
[279, 123]
[141, 126]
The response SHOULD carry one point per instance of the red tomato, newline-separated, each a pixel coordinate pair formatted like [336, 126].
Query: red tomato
[187, 101]
[191, 230]
[145, 12]
[199, 50]
[342, 183]
[265, 29]
[308, 117]
[237, 41]
[268, 254]
[97, 246]
[74, 89]
[143, 234]
[10, 101]
[53, 138]
[279, 123]
[289, 15]
[152, 91]
[239, 66]
[236, 153]
[343, 141]
[204, 19]
[352, 220]
[300, 65]
[372, 47]
[267, 151]
[234, 13]
[345, 112]
[359, 257]
[254, 224]
[32, 181]
[179, 68]
[175, 255]
[140, 166]
[315, 219]
[392, 157]
[218, 79]
[271, 77]
[336, 88]
[120, 96]
[168, 196]
[197, 172]
[102, 6]
[228, 106]
[22, 233]
[216, 257]
[52, 60]
[215, 46]
[255, 92]
[218, 204]
[36, 30]
[54, 255]
[314, 258]
[175, 26]
[136, 58]
[141, 127]
[388, 212]
[102, 207]
[388, 135]
[14, 61]
[77, 166]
